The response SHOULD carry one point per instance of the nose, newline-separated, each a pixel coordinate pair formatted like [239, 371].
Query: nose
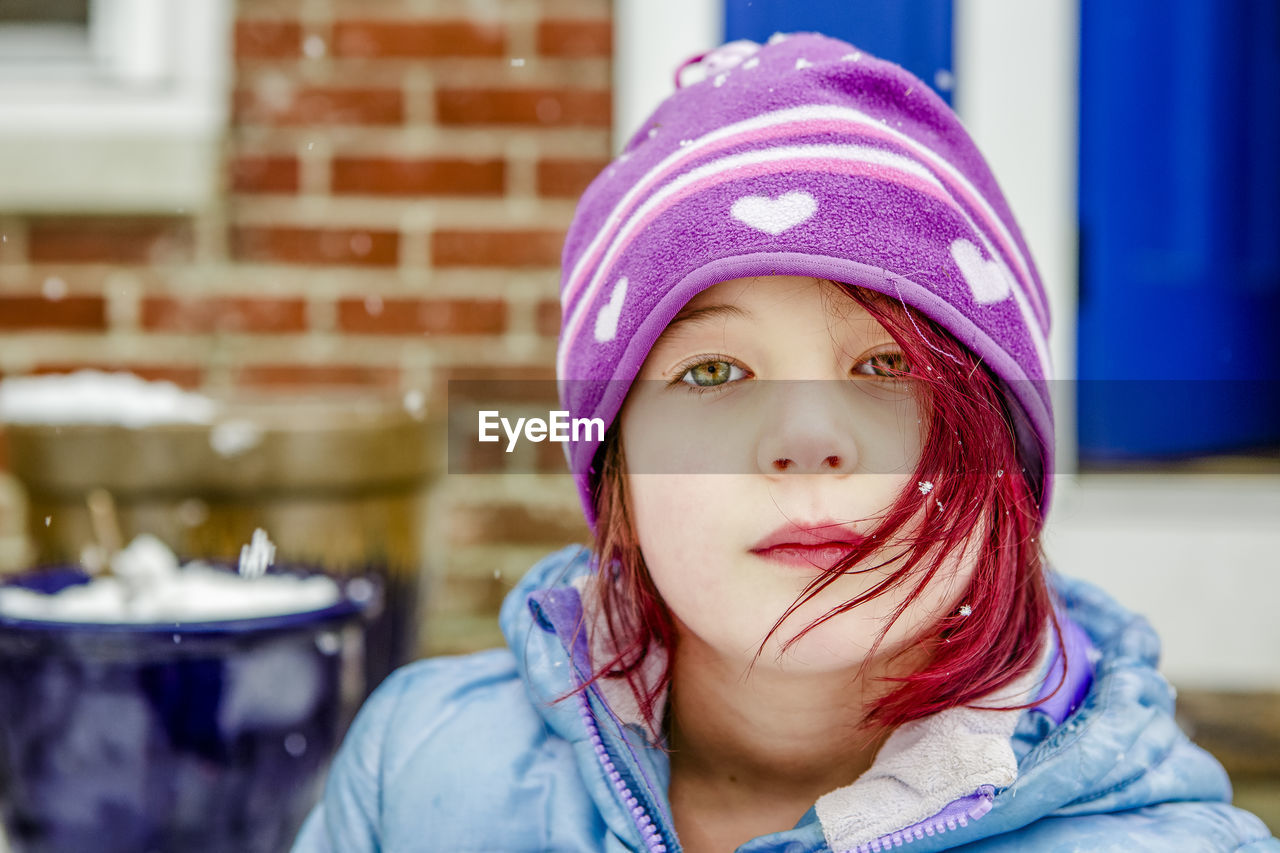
[805, 432]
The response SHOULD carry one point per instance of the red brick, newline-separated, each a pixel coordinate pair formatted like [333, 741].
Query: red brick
[423, 316]
[514, 383]
[382, 176]
[318, 105]
[72, 313]
[268, 39]
[567, 178]
[358, 247]
[110, 240]
[547, 319]
[496, 248]
[264, 174]
[575, 38]
[187, 377]
[545, 107]
[518, 373]
[223, 314]
[278, 375]
[415, 39]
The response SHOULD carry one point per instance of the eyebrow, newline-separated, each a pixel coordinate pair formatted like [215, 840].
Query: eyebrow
[704, 314]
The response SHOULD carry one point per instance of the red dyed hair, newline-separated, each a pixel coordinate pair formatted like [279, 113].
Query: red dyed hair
[970, 456]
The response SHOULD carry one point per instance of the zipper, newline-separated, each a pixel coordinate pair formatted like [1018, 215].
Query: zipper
[956, 814]
[560, 613]
[639, 814]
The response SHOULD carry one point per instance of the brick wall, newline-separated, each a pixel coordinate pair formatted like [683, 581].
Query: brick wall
[397, 179]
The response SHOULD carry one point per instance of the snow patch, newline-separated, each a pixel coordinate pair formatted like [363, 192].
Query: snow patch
[96, 397]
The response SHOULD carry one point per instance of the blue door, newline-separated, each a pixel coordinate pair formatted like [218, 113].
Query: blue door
[1179, 228]
[916, 34]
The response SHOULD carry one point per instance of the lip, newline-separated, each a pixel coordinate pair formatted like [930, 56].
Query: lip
[819, 544]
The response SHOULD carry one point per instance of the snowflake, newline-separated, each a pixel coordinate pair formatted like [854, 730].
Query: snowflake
[925, 487]
[965, 610]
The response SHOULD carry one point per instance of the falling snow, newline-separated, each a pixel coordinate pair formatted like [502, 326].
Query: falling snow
[295, 744]
[415, 403]
[966, 610]
[234, 437]
[53, 289]
[925, 487]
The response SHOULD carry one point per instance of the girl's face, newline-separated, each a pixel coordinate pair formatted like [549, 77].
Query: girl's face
[764, 432]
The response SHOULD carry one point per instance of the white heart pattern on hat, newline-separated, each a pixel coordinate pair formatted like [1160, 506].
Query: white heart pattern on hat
[775, 215]
[989, 281]
[607, 318]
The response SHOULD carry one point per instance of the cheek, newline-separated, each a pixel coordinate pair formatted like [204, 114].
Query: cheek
[674, 517]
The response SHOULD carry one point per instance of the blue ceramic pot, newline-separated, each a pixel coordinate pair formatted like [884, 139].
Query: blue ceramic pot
[191, 737]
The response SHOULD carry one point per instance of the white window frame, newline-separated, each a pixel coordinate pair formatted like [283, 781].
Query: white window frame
[133, 125]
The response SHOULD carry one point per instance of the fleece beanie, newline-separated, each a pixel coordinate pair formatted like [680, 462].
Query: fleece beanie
[805, 157]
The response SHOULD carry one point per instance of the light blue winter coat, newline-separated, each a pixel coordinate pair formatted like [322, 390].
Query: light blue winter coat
[463, 754]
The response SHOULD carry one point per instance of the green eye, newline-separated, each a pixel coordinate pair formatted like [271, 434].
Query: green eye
[711, 373]
[888, 365]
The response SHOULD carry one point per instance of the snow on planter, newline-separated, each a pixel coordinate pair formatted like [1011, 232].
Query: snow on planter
[147, 584]
[97, 397]
[171, 707]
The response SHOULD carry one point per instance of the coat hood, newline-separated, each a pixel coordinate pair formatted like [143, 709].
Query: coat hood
[1107, 742]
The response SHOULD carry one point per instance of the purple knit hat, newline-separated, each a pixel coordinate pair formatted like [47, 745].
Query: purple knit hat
[802, 157]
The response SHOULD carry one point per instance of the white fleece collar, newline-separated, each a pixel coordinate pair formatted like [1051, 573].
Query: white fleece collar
[929, 763]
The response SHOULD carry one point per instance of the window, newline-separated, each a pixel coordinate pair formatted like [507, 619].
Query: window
[111, 105]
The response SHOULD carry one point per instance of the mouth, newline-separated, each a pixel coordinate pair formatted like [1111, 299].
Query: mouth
[819, 545]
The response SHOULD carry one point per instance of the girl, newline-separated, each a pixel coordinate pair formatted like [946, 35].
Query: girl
[816, 615]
